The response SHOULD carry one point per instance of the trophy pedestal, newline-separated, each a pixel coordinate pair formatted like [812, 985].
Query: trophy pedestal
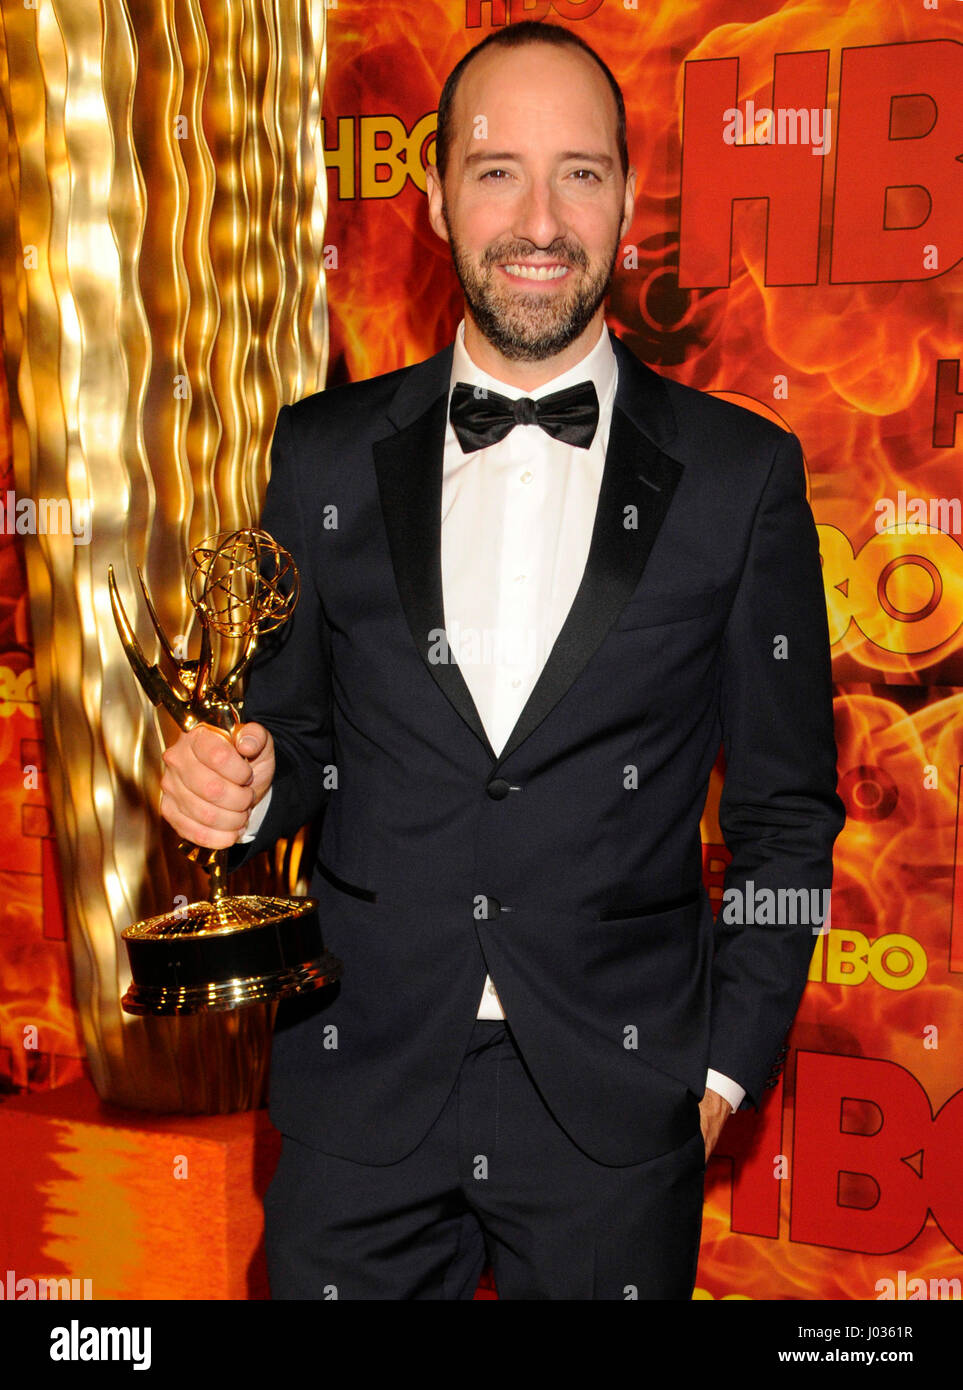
[212, 956]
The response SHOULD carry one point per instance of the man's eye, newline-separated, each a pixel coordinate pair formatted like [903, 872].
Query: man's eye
[585, 175]
[495, 174]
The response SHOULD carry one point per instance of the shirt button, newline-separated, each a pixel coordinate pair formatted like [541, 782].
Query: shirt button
[527, 476]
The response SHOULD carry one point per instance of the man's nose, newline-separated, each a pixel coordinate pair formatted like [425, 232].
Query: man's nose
[538, 215]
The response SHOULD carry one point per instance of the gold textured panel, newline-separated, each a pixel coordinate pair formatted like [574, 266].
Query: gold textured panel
[163, 202]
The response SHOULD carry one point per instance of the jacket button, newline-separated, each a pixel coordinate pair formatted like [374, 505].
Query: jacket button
[498, 789]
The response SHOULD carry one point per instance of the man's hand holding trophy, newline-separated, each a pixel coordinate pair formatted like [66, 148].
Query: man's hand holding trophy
[230, 951]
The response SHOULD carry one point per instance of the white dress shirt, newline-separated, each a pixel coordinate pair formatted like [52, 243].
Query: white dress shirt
[516, 524]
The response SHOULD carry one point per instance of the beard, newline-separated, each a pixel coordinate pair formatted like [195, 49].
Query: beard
[531, 327]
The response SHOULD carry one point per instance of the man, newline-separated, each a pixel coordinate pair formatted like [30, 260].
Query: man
[514, 659]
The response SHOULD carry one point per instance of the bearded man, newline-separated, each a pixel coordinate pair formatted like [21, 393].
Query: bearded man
[557, 584]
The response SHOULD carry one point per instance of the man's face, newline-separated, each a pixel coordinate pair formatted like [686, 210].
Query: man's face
[534, 202]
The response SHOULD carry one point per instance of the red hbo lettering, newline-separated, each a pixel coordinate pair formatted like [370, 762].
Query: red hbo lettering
[947, 403]
[943, 1170]
[956, 922]
[750, 1142]
[576, 9]
[501, 12]
[876, 157]
[898, 182]
[715, 860]
[906, 1161]
[715, 174]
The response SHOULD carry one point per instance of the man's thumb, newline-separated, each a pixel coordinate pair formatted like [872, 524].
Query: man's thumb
[250, 740]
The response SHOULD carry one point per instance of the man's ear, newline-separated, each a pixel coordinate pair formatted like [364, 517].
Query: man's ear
[628, 208]
[436, 200]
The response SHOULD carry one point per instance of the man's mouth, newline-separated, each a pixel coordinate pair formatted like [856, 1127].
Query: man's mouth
[536, 272]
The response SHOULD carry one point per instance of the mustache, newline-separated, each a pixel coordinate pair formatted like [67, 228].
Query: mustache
[563, 250]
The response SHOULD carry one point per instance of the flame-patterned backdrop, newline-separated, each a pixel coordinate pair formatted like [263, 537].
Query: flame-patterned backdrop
[796, 246]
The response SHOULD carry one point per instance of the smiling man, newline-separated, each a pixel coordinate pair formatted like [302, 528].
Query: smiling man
[533, 192]
[557, 584]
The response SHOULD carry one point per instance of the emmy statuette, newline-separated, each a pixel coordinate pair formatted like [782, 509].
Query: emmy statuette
[230, 951]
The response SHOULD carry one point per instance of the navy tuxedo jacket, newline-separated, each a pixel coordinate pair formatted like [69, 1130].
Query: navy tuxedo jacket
[568, 867]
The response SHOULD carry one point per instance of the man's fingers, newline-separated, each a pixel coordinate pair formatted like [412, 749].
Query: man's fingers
[211, 801]
[195, 831]
[209, 787]
[213, 751]
[713, 1113]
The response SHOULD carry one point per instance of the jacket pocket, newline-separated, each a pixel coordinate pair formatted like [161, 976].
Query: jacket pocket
[654, 610]
[625, 914]
[364, 895]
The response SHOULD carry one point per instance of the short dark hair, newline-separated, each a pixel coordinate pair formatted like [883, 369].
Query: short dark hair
[527, 31]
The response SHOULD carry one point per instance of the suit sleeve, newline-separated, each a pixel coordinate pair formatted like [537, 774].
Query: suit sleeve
[779, 811]
[289, 689]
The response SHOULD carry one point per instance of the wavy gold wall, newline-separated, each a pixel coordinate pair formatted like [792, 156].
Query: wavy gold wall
[163, 293]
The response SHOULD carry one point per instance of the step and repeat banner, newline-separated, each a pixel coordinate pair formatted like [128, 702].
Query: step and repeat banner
[796, 248]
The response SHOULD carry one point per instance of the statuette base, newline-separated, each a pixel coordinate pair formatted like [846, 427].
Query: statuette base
[215, 956]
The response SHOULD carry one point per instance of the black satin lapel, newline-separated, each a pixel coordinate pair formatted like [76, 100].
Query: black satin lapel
[637, 476]
[409, 470]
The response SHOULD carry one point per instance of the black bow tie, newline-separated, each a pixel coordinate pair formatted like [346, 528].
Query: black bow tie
[481, 417]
